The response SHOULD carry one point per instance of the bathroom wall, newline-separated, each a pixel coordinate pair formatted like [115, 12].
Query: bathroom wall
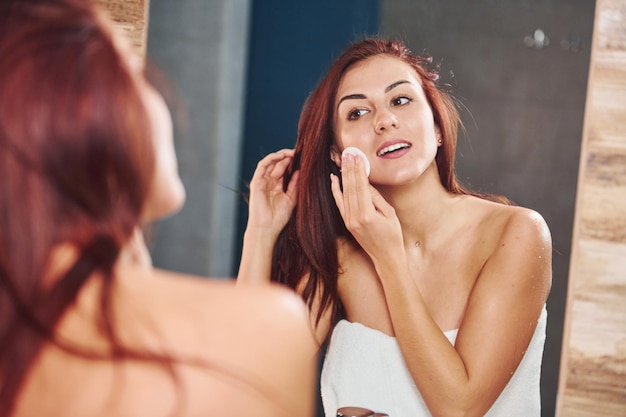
[593, 367]
[202, 46]
[291, 45]
[524, 95]
[132, 17]
[524, 99]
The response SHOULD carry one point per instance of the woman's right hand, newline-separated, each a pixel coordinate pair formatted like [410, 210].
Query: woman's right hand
[270, 206]
[368, 217]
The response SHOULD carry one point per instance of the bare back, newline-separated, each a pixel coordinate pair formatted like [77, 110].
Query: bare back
[256, 352]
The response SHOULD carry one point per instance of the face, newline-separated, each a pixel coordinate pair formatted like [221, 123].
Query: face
[167, 193]
[381, 109]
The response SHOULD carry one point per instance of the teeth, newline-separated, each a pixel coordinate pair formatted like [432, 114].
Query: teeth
[392, 148]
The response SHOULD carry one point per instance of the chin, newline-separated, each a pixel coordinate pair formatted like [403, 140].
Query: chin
[398, 179]
[165, 204]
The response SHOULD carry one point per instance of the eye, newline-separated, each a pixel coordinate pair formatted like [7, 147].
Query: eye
[356, 113]
[400, 101]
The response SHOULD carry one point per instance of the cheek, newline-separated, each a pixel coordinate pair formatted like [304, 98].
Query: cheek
[164, 143]
[167, 196]
[424, 128]
[167, 193]
[352, 135]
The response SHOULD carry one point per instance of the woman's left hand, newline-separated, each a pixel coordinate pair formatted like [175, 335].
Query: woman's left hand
[371, 220]
[270, 208]
[270, 205]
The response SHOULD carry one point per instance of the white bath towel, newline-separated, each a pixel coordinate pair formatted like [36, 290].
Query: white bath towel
[364, 368]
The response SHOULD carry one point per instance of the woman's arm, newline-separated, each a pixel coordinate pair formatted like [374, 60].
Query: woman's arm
[269, 210]
[498, 324]
[500, 317]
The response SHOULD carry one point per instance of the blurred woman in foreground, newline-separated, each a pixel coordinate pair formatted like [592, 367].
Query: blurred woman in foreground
[87, 326]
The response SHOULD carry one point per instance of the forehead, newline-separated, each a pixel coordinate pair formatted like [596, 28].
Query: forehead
[377, 72]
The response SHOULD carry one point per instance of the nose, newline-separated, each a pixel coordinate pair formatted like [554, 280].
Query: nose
[386, 120]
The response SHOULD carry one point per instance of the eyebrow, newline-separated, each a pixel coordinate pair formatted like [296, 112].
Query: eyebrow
[394, 85]
[362, 96]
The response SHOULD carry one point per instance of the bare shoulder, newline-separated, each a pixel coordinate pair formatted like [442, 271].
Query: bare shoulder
[511, 224]
[525, 226]
[520, 243]
[276, 309]
[260, 335]
[233, 311]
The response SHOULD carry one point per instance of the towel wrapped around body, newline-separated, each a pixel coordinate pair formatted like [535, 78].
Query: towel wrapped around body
[364, 367]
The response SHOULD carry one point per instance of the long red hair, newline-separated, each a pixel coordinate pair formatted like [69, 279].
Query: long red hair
[76, 162]
[308, 244]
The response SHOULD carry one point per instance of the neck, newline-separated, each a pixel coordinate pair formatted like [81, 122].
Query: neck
[64, 255]
[423, 208]
[135, 252]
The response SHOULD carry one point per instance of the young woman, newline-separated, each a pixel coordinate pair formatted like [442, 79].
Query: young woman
[433, 296]
[87, 326]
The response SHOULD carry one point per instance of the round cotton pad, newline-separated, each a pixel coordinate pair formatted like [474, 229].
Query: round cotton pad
[357, 152]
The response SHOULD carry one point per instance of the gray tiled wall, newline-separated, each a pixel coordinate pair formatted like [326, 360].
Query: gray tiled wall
[524, 120]
[525, 107]
[202, 47]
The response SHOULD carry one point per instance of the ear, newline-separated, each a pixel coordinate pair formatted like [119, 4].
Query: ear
[438, 135]
[335, 155]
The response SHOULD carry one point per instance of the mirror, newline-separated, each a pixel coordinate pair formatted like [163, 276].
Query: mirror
[520, 69]
[244, 69]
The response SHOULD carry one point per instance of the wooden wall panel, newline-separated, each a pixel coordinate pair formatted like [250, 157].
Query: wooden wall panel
[132, 17]
[593, 366]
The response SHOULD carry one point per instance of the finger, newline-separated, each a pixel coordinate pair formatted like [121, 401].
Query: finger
[380, 204]
[357, 192]
[362, 185]
[337, 194]
[280, 167]
[284, 153]
[292, 187]
[267, 164]
[274, 157]
[350, 197]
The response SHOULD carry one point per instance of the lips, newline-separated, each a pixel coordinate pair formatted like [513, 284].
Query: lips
[392, 147]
